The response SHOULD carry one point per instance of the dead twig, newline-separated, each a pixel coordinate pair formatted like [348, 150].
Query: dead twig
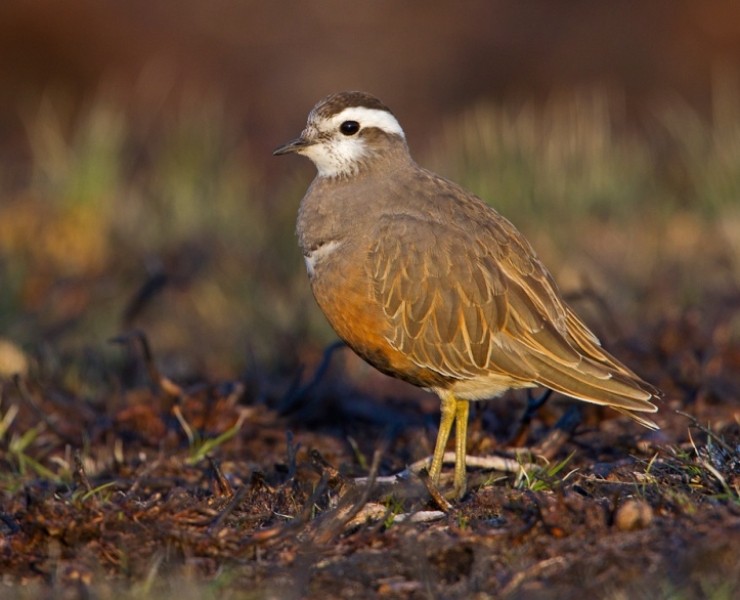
[533, 405]
[280, 532]
[162, 383]
[706, 431]
[80, 474]
[558, 435]
[235, 501]
[292, 454]
[543, 567]
[489, 463]
[297, 394]
[334, 478]
[336, 521]
[223, 485]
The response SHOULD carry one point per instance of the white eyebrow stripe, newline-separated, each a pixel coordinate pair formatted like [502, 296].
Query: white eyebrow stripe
[370, 117]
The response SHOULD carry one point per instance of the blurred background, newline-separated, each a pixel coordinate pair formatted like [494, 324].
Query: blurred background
[138, 190]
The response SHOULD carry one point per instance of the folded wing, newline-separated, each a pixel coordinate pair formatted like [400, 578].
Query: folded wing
[479, 304]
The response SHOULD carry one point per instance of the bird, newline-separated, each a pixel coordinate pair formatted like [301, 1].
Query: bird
[429, 284]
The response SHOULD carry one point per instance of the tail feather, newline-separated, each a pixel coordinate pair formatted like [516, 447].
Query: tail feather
[622, 389]
[644, 421]
[627, 394]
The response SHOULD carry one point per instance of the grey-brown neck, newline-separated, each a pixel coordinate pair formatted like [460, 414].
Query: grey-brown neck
[361, 157]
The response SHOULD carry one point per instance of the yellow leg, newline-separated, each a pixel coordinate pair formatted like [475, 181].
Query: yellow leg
[462, 409]
[445, 426]
[455, 411]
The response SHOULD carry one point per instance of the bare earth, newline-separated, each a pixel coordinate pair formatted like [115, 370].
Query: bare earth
[140, 495]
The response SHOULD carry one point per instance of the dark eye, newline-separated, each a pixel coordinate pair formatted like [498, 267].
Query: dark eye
[349, 127]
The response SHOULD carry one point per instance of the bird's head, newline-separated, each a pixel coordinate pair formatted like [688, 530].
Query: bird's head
[345, 132]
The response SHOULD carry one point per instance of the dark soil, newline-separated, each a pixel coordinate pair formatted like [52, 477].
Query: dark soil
[111, 487]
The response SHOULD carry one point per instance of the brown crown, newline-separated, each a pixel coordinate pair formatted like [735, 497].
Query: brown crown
[336, 103]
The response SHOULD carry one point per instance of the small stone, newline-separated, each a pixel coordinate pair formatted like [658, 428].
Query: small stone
[633, 514]
[13, 361]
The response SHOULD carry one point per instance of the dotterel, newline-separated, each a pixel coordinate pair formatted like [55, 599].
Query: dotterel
[429, 284]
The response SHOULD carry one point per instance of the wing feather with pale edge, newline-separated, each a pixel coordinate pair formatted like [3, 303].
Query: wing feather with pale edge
[480, 304]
